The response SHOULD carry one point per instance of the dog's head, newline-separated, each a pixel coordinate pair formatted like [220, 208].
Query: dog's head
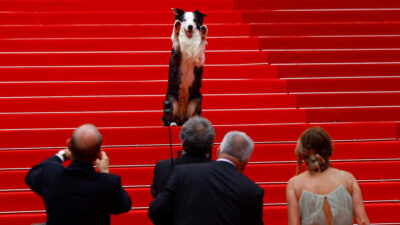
[189, 20]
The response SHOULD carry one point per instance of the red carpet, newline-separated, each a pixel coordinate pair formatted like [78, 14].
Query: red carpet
[273, 68]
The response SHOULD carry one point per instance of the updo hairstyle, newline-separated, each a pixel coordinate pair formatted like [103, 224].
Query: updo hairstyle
[315, 147]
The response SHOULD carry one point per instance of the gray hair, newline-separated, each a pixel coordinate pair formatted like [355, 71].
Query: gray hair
[197, 136]
[238, 145]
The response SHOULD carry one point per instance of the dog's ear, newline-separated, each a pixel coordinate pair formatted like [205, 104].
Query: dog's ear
[200, 14]
[178, 13]
[199, 17]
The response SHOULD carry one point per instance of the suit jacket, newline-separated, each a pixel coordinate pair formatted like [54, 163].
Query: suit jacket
[211, 193]
[77, 194]
[163, 170]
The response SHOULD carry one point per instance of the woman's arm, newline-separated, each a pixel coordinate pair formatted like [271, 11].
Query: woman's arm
[292, 203]
[359, 210]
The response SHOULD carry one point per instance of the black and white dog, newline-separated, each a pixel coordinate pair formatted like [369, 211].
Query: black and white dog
[185, 67]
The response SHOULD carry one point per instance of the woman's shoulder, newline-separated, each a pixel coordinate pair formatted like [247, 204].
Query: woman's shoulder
[295, 180]
[345, 176]
[347, 180]
[295, 184]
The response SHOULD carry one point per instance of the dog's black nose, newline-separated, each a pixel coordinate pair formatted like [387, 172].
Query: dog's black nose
[190, 27]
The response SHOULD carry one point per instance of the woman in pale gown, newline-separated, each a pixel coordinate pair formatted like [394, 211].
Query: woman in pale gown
[322, 194]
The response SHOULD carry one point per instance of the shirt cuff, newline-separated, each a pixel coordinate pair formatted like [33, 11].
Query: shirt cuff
[60, 155]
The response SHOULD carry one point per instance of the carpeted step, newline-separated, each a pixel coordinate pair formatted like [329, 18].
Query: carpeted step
[220, 29]
[129, 73]
[119, 30]
[149, 87]
[122, 58]
[136, 16]
[321, 28]
[338, 70]
[103, 5]
[314, 4]
[139, 102]
[274, 172]
[120, 44]
[344, 84]
[146, 118]
[353, 114]
[274, 215]
[321, 15]
[348, 99]
[141, 197]
[329, 42]
[333, 55]
[139, 136]
[210, 101]
[218, 117]
[262, 153]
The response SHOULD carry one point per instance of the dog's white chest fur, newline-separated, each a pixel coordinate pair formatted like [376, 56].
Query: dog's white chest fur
[192, 51]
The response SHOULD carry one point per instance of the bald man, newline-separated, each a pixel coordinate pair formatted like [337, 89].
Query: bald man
[77, 194]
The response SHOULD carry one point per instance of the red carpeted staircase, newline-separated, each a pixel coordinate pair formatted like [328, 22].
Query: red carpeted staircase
[273, 68]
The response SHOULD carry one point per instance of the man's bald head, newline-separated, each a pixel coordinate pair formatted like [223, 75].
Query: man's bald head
[85, 143]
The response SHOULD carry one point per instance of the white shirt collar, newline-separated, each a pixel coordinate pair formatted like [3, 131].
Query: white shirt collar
[226, 160]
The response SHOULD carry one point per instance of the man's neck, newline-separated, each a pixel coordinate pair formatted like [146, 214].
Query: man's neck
[232, 159]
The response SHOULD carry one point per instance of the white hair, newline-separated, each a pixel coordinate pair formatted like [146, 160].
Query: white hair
[238, 145]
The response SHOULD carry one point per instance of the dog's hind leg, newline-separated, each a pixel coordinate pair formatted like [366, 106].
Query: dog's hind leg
[194, 108]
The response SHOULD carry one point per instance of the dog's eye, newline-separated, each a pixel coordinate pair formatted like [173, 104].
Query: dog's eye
[184, 20]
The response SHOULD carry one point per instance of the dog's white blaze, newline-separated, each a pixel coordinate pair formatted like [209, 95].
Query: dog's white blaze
[192, 50]
[188, 19]
[190, 47]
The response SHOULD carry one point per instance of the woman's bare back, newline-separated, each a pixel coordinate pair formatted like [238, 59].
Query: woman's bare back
[318, 193]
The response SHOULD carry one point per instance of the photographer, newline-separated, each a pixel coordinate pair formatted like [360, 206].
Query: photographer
[197, 136]
[77, 194]
[212, 193]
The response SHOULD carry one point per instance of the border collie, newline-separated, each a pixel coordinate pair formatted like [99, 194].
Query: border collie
[185, 67]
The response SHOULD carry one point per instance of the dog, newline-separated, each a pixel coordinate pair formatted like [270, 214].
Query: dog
[185, 67]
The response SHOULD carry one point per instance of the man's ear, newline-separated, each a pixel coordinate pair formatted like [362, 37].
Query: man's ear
[243, 166]
[69, 144]
[178, 12]
[98, 156]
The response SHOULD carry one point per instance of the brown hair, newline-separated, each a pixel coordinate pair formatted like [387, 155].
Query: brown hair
[315, 146]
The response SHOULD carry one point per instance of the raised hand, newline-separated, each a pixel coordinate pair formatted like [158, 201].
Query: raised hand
[103, 163]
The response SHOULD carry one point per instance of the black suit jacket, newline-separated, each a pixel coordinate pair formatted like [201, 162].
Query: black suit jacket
[77, 194]
[163, 170]
[213, 193]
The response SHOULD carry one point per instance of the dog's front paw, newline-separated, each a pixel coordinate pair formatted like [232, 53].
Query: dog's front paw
[177, 27]
[203, 31]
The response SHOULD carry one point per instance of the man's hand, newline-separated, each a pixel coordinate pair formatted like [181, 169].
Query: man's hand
[103, 163]
[64, 154]
[67, 154]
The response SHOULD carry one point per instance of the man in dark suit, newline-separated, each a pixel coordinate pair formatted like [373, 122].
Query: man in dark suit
[197, 136]
[215, 193]
[77, 194]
